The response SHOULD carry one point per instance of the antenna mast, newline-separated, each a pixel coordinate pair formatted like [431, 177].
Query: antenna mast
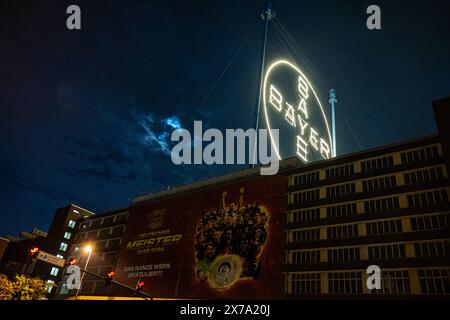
[333, 101]
[266, 15]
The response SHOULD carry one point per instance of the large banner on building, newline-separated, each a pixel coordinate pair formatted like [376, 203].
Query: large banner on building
[224, 242]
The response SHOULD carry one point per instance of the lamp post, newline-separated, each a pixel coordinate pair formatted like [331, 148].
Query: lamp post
[87, 249]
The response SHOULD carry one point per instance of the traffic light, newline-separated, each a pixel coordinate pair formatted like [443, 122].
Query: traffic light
[31, 255]
[109, 278]
[139, 286]
[32, 252]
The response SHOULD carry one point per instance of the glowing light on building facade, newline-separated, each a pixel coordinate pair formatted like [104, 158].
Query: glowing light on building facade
[305, 114]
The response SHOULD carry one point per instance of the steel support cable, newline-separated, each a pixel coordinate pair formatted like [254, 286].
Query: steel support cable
[280, 39]
[211, 89]
[287, 50]
[293, 43]
[288, 39]
[350, 128]
[293, 88]
[315, 74]
[300, 52]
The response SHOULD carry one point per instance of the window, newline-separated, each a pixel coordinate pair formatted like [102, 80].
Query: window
[377, 164]
[433, 249]
[430, 222]
[85, 225]
[344, 282]
[435, 281]
[63, 246]
[118, 230]
[343, 254]
[60, 256]
[67, 235]
[305, 257]
[64, 290]
[394, 282]
[384, 227]
[306, 178]
[428, 153]
[381, 205]
[342, 210]
[430, 198]
[390, 251]
[304, 215]
[306, 235]
[108, 220]
[341, 171]
[306, 196]
[81, 236]
[50, 284]
[340, 190]
[111, 257]
[96, 223]
[305, 283]
[423, 176]
[122, 217]
[54, 271]
[113, 244]
[382, 183]
[71, 224]
[100, 245]
[92, 235]
[342, 232]
[104, 233]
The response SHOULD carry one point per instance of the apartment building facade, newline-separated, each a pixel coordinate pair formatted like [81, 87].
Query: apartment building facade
[387, 207]
[102, 234]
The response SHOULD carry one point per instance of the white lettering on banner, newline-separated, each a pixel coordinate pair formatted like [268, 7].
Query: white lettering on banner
[148, 270]
[145, 274]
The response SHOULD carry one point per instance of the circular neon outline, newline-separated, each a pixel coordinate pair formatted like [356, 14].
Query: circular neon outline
[293, 66]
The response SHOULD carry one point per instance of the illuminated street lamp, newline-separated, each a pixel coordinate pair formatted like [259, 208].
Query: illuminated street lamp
[88, 250]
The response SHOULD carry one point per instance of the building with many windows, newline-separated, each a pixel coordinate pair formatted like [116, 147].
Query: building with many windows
[387, 206]
[311, 231]
[56, 242]
[103, 234]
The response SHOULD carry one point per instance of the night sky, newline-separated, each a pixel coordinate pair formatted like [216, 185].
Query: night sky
[87, 115]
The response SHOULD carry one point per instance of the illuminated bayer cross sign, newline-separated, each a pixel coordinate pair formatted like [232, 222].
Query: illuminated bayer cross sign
[292, 106]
